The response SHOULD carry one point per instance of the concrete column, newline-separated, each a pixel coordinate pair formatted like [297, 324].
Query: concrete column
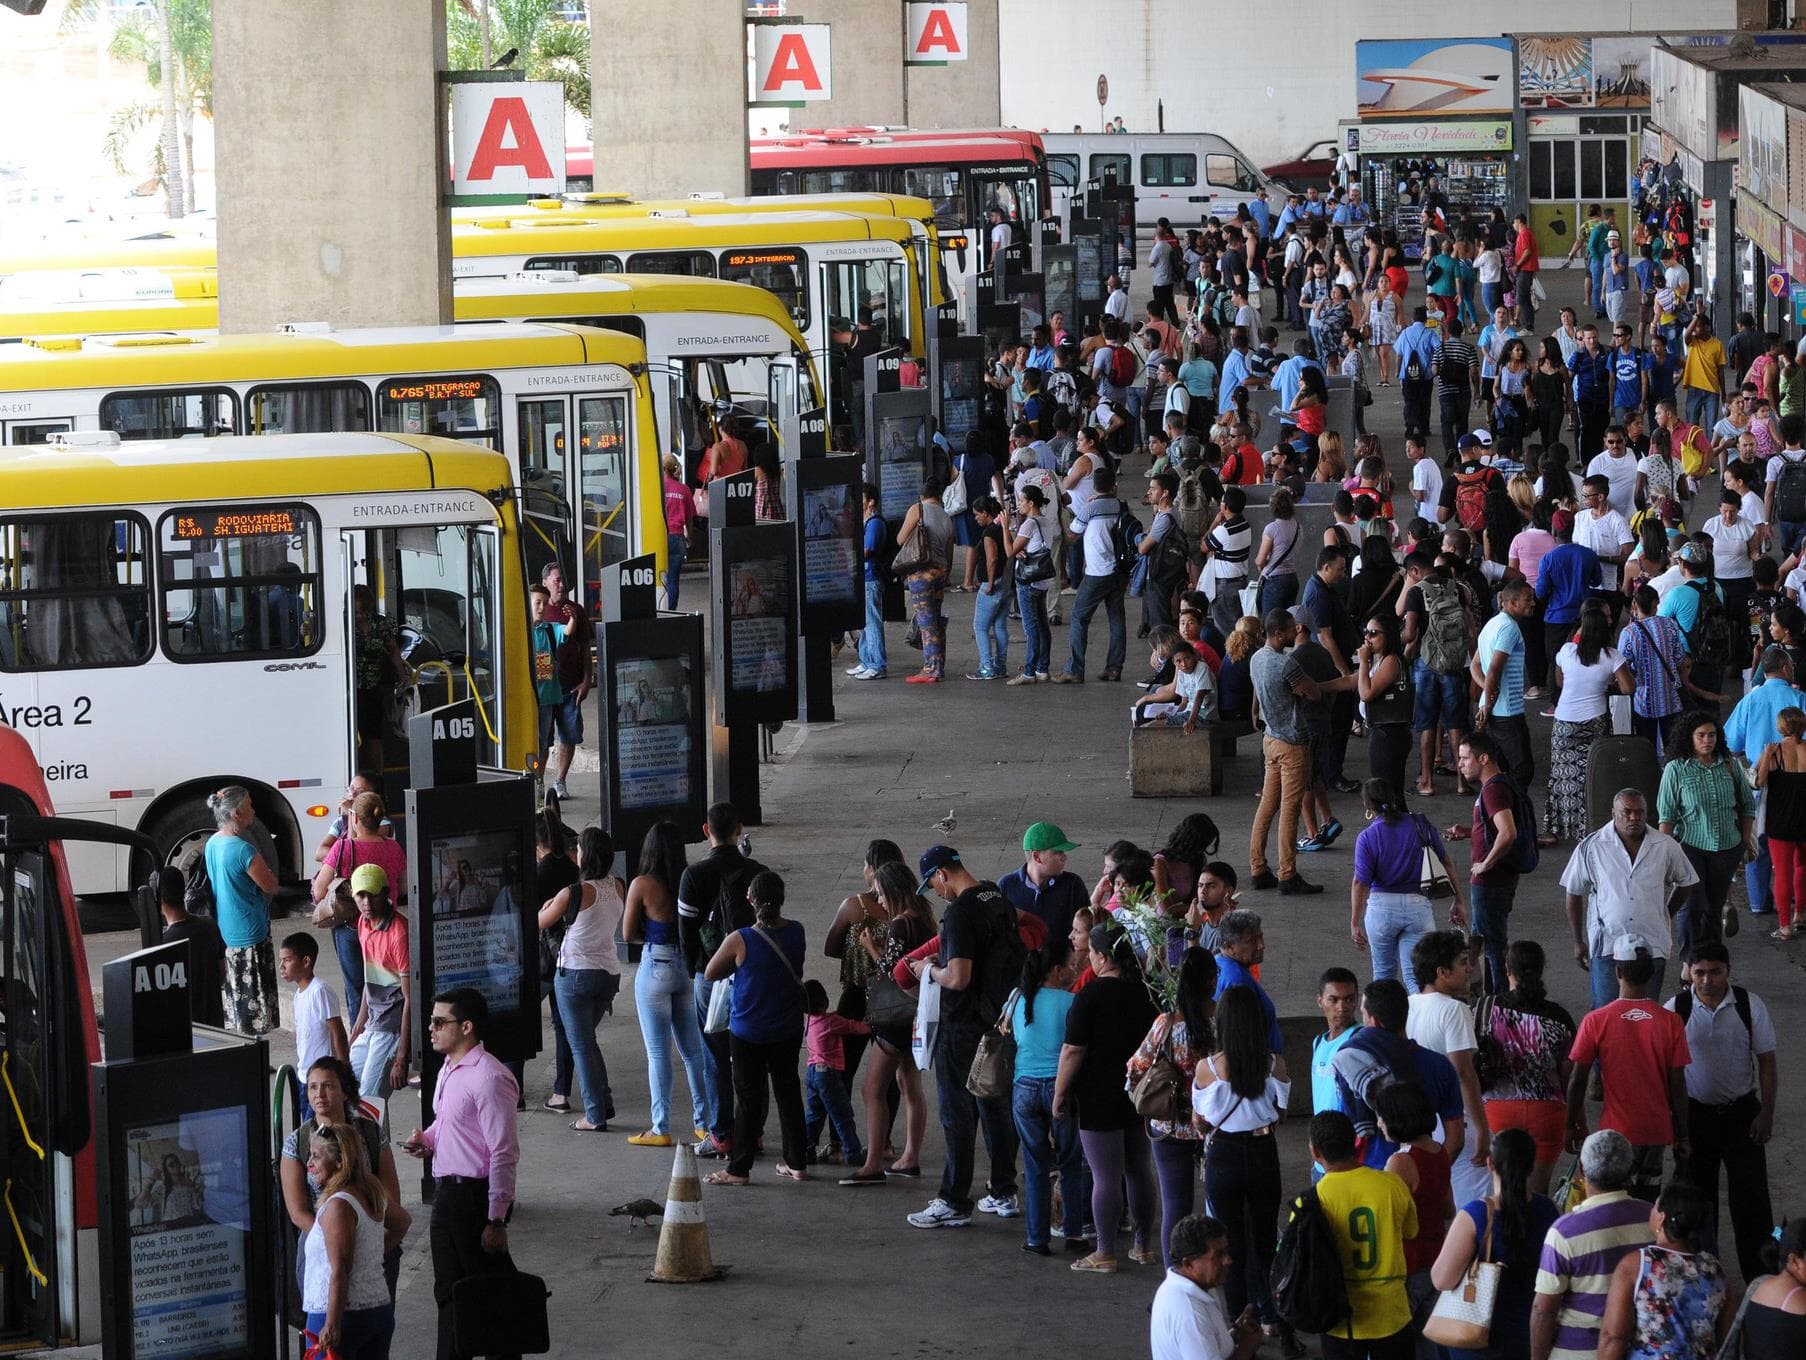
[868, 63]
[331, 148]
[668, 111]
[967, 94]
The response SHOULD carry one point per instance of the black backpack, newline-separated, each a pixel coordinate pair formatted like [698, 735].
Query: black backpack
[730, 911]
[1172, 559]
[1125, 540]
[1309, 1291]
[1710, 638]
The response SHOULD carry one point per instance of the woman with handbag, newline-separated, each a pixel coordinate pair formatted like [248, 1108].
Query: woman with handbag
[1106, 1026]
[1389, 907]
[1239, 1099]
[1160, 1084]
[589, 968]
[364, 842]
[1036, 1018]
[349, 1311]
[1523, 1041]
[1034, 562]
[1383, 680]
[860, 917]
[926, 541]
[1497, 1241]
[1587, 670]
[900, 922]
[765, 961]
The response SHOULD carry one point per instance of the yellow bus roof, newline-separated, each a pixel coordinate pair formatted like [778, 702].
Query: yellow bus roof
[154, 361]
[507, 235]
[139, 472]
[188, 252]
[606, 205]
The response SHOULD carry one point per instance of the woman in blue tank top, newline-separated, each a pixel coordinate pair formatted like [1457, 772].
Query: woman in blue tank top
[765, 1026]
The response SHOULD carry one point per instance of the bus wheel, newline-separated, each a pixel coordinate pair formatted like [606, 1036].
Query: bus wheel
[181, 833]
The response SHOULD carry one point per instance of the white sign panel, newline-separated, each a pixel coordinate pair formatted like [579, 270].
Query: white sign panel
[791, 64]
[937, 34]
[507, 137]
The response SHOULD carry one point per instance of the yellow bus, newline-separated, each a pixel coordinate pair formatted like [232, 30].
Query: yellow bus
[203, 590]
[569, 405]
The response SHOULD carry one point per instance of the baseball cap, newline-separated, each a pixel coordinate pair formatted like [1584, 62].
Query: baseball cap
[369, 878]
[1468, 441]
[1695, 554]
[1045, 836]
[1627, 949]
[1483, 437]
[1561, 522]
[934, 859]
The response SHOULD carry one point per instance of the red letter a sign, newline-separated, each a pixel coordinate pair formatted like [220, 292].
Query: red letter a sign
[508, 139]
[791, 63]
[937, 33]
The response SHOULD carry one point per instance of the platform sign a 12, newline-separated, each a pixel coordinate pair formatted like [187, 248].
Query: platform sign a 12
[507, 137]
[936, 33]
[791, 64]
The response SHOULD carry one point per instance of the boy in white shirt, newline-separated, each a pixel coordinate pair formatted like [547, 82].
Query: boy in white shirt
[319, 1032]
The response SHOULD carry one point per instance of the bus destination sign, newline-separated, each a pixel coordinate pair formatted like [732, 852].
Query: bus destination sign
[199, 524]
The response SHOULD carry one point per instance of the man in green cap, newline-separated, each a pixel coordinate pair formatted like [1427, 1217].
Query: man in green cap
[1042, 886]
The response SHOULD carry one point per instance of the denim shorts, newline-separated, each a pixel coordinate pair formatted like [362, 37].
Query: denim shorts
[1439, 699]
[564, 720]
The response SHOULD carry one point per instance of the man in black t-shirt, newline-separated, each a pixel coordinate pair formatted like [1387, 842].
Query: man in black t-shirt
[700, 930]
[979, 960]
[206, 950]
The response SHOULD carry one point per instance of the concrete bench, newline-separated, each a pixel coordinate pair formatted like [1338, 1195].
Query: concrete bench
[1165, 762]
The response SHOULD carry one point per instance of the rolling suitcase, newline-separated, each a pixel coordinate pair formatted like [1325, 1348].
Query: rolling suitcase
[1616, 763]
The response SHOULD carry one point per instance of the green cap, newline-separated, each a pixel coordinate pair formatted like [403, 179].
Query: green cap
[1045, 836]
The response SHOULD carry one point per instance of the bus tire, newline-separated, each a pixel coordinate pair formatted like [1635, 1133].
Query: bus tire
[181, 833]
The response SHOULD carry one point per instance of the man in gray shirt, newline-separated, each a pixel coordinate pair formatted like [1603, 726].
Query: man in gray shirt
[1279, 683]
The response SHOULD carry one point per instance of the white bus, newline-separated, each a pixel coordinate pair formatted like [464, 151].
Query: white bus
[1185, 177]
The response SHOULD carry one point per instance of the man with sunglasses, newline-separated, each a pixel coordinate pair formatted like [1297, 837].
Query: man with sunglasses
[1618, 465]
[1630, 376]
[1591, 368]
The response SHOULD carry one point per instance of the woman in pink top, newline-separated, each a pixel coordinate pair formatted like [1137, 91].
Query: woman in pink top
[678, 514]
[1524, 557]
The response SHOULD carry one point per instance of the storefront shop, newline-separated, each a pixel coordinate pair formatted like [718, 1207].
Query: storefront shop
[1462, 169]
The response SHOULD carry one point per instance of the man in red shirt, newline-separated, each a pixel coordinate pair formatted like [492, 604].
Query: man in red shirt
[1641, 1048]
[1524, 264]
[576, 673]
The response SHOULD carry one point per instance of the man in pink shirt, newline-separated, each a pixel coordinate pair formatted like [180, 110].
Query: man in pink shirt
[475, 1149]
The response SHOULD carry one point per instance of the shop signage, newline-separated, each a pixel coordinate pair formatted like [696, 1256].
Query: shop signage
[507, 137]
[1682, 101]
[936, 34]
[1384, 139]
[1797, 303]
[791, 64]
[1777, 284]
[1765, 228]
[1796, 252]
[1796, 163]
[1762, 148]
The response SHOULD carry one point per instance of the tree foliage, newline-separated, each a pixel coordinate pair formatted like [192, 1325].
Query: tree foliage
[549, 46]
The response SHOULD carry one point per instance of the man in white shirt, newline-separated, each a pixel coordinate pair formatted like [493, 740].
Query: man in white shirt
[1567, 335]
[1441, 1021]
[1600, 527]
[1001, 237]
[1190, 1321]
[1618, 465]
[1116, 305]
[1624, 879]
[1789, 530]
[1426, 477]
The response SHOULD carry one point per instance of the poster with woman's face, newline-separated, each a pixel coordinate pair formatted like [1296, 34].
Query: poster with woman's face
[759, 606]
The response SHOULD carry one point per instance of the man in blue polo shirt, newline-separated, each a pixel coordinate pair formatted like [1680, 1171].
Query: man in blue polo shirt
[1353, 212]
[1417, 347]
[1241, 945]
[1042, 886]
[1235, 369]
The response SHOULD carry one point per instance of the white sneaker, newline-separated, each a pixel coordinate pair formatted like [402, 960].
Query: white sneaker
[872, 675]
[859, 673]
[1004, 1206]
[855, 670]
[558, 789]
[939, 1214]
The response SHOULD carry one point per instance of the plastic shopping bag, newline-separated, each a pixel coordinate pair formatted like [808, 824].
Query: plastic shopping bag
[927, 1026]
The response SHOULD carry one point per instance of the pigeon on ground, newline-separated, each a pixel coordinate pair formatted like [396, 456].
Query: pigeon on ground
[946, 823]
[640, 1209]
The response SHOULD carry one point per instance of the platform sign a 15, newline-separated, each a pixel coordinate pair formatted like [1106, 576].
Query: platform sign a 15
[507, 137]
[936, 33]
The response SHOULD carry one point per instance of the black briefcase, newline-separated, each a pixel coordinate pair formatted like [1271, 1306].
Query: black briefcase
[501, 1315]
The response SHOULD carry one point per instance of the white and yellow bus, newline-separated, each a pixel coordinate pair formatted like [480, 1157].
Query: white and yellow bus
[178, 615]
[569, 405]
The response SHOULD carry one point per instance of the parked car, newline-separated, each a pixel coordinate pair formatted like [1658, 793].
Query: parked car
[1316, 164]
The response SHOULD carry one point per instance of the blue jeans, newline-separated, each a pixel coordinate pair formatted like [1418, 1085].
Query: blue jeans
[825, 1100]
[714, 1051]
[1596, 285]
[1094, 591]
[1759, 879]
[1277, 592]
[1792, 532]
[1047, 1142]
[1394, 924]
[991, 630]
[562, 1064]
[1604, 976]
[1702, 407]
[583, 994]
[351, 967]
[961, 1115]
[372, 1055]
[1037, 635]
[1491, 921]
[1242, 1187]
[675, 548]
[871, 639]
[364, 1333]
[661, 996]
[1491, 296]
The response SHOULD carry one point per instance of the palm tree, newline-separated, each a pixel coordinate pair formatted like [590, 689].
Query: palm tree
[548, 45]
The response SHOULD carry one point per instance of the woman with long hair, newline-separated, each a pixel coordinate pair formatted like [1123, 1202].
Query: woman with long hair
[907, 925]
[589, 968]
[1239, 1099]
[343, 1292]
[1669, 1300]
[1183, 1037]
[1108, 1021]
[1277, 561]
[925, 538]
[1179, 863]
[1512, 1222]
[860, 918]
[1527, 1088]
[1775, 1323]
[1388, 911]
[1549, 392]
[1383, 680]
[1332, 462]
[1036, 1018]
[554, 870]
[1511, 395]
[663, 992]
[1781, 775]
[1235, 691]
[1587, 670]
[1704, 802]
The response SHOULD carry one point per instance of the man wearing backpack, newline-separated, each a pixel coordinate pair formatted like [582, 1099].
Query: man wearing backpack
[1502, 841]
[978, 962]
[1463, 497]
[711, 904]
[1498, 670]
[1457, 379]
[1439, 631]
[1371, 1214]
[1697, 608]
[1417, 346]
[1730, 1099]
[1784, 498]
[1101, 525]
[1166, 550]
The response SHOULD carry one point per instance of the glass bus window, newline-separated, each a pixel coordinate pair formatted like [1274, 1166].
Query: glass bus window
[308, 408]
[170, 415]
[458, 407]
[544, 467]
[1172, 170]
[625, 325]
[779, 272]
[874, 293]
[74, 593]
[23, 432]
[1110, 165]
[240, 582]
[605, 487]
[576, 264]
[866, 181]
[943, 186]
[1063, 170]
[692, 264]
[447, 574]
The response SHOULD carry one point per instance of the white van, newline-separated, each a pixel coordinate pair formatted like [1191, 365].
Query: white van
[1181, 176]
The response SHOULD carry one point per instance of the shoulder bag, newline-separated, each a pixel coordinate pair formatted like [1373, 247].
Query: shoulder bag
[1164, 1091]
[338, 907]
[993, 1070]
[913, 555]
[1432, 881]
[1732, 1349]
[953, 499]
[1462, 1316]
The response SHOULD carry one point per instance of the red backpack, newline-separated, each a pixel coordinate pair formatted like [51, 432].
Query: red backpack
[1470, 498]
[1122, 366]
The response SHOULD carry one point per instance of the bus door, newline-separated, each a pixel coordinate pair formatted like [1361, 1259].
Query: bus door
[597, 483]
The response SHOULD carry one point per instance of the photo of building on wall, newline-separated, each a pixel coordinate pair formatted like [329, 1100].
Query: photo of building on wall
[1416, 77]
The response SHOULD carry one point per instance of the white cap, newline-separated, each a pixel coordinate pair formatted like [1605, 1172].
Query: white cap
[1626, 949]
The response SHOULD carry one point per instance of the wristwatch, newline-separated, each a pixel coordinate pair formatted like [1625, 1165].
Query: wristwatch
[496, 1223]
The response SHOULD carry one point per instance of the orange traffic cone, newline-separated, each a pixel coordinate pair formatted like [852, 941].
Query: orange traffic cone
[683, 1236]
